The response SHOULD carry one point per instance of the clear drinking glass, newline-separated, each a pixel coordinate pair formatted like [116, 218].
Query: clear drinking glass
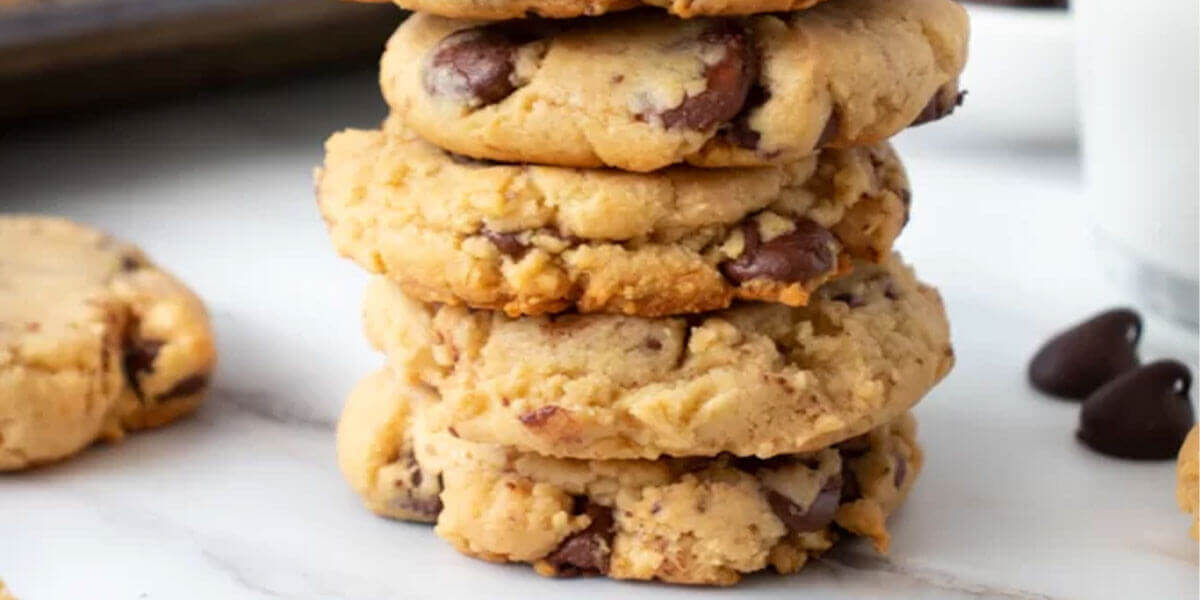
[1139, 71]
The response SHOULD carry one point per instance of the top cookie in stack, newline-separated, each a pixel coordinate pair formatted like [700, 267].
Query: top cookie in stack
[636, 283]
[644, 90]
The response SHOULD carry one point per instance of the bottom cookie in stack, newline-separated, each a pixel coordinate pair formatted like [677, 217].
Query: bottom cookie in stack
[682, 520]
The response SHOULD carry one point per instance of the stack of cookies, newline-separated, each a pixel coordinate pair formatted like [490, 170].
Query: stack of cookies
[635, 279]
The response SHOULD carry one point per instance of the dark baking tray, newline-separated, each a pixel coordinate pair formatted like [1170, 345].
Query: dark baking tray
[61, 56]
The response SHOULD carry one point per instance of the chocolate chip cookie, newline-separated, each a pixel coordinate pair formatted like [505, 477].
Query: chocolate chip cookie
[682, 520]
[1188, 490]
[640, 91]
[94, 341]
[498, 10]
[755, 379]
[532, 239]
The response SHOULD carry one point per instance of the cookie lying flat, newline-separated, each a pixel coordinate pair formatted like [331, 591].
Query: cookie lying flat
[1188, 472]
[494, 10]
[94, 341]
[531, 240]
[699, 521]
[756, 379]
[641, 91]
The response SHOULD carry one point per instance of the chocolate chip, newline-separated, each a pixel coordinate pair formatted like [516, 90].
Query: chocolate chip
[797, 256]
[728, 81]
[130, 263]
[1144, 413]
[890, 292]
[138, 360]
[475, 64]
[853, 300]
[586, 551]
[817, 516]
[1076, 362]
[539, 416]
[429, 508]
[941, 105]
[901, 469]
[739, 132]
[653, 344]
[508, 243]
[185, 387]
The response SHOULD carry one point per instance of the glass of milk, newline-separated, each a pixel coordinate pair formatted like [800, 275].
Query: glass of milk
[1140, 100]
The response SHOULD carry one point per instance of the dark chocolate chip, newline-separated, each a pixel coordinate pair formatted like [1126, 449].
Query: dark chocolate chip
[586, 551]
[138, 360]
[853, 300]
[185, 387]
[539, 416]
[739, 132]
[901, 469]
[890, 292]
[728, 81]
[1076, 362]
[797, 256]
[1144, 413]
[941, 105]
[653, 344]
[429, 508]
[475, 64]
[508, 243]
[817, 516]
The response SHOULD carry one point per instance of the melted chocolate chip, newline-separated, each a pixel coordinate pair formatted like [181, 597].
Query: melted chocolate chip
[539, 416]
[130, 263]
[1143, 414]
[139, 360]
[508, 243]
[739, 132]
[586, 551]
[728, 81]
[475, 64]
[797, 256]
[185, 387]
[855, 446]
[852, 300]
[940, 105]
[1076, 362]
[429, 508]
[652, 344]
[901, 469]
[818, 515]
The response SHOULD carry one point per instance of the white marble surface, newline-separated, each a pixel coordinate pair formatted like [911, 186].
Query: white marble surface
[245, 501]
